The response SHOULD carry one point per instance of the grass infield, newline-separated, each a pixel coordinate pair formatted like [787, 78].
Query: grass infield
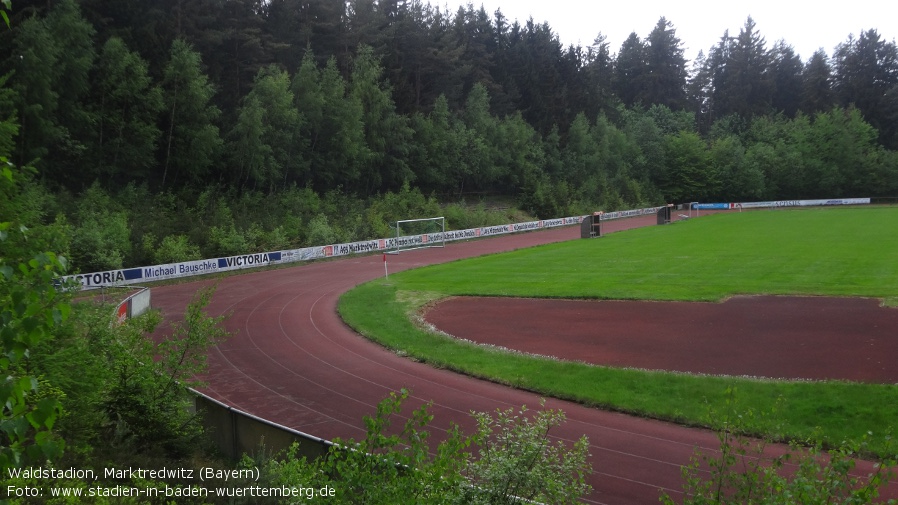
[825, 251]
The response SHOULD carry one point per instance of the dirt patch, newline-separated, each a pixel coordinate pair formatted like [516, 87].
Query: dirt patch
[813, 338]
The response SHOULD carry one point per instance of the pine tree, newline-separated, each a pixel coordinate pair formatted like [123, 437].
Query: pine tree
[742, 82]
[192, 141]
[386, 133]
[816, 84]
[866, 75]
[698, 93]
[787, 72]
[629, 69]
[598, 70]
[663, 81]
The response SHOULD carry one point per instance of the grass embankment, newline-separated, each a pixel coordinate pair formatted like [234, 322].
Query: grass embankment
[836, 252]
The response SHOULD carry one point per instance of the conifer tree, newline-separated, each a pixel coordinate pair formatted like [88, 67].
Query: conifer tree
[192, 142]
[663, 81]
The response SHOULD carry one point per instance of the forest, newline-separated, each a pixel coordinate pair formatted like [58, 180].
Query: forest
[174, 130]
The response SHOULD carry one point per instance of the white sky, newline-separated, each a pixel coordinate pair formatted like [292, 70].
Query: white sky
[806, 26]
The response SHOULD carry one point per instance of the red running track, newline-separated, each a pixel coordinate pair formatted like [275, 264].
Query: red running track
[293, 361]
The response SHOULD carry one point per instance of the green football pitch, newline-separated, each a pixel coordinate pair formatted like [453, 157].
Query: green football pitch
[844, 252]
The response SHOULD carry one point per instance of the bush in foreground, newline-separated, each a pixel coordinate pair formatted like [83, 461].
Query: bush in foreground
[515, 462]
[748, 470]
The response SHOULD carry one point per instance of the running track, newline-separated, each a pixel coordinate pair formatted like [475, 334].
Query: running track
[294, 362]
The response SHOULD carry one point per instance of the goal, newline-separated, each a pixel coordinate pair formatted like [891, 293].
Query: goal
[418, 234]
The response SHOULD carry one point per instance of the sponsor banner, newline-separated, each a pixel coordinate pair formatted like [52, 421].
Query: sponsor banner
[108, 278]
[408, 242]
[248, 261]
[356, 248]
[305, 254]
[620, 214]
[838, 201]
[197, 267]
[710, 206]
[173, 270]
[160, 272]
[754, 205]
[532, 225]
[496, 230]
[457, 235]
[564, 221]
[800, 203]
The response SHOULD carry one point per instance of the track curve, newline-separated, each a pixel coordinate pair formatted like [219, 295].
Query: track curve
[293, 361]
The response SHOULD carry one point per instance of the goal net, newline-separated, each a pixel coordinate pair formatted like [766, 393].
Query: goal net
[419, 233]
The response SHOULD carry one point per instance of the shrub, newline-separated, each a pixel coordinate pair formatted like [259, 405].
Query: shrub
[517, 462]
[227, 241]
[148, 400]
[320, 232]
[172, 249]
[745, 471]
[102, 236]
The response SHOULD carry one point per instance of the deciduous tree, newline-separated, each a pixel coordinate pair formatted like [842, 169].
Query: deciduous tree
[268, 132]
[127, 104]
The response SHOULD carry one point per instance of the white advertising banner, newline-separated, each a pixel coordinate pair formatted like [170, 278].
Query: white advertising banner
[800, 203]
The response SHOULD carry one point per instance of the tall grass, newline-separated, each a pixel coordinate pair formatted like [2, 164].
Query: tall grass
[844, 252]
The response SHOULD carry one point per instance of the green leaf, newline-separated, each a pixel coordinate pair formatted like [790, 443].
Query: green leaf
[45, 413]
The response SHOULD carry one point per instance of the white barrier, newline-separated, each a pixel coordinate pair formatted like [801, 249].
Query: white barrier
[800, 203]
[133, 306]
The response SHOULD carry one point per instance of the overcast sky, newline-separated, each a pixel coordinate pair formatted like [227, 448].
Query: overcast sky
[806, 26]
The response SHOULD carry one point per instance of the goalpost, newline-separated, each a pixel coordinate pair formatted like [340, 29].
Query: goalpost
[418, 234]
